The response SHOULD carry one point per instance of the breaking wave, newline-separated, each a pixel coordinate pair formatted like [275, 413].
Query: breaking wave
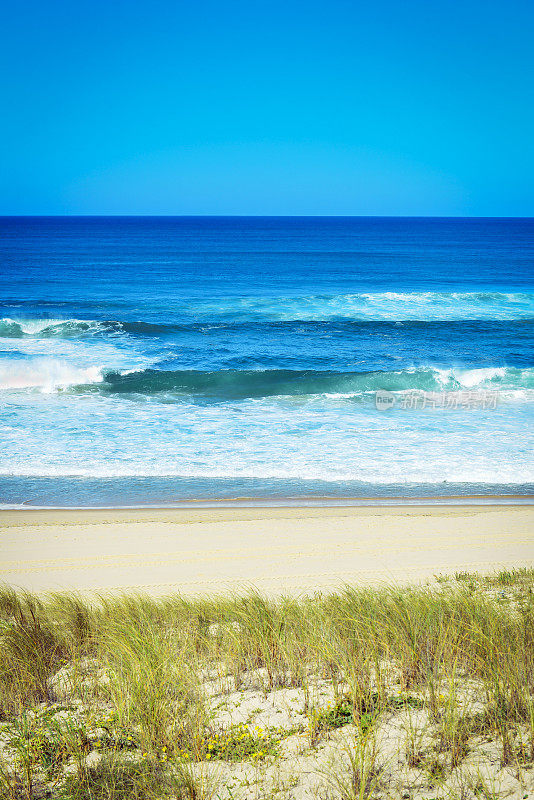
[48, 374]
[241, 384]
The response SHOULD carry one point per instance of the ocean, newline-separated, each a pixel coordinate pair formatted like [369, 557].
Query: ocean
[157, 361]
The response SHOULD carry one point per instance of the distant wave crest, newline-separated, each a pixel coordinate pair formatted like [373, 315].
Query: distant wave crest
[378, 306]
[53, 328]
[360, 307]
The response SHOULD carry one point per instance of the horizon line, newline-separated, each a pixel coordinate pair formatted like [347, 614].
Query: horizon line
[120, 215]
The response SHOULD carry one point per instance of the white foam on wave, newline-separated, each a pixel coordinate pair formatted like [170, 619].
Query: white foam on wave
[46, 374]
[51, 355]
[32, 326]
[35, 327]
[474, 377]
[470, 378]
[495, 378]
[373, 306]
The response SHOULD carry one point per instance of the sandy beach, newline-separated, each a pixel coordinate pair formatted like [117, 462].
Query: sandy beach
[274, 549]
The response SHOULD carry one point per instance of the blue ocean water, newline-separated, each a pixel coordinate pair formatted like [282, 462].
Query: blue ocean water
[156, 360]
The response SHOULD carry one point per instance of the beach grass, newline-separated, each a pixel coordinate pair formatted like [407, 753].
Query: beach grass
[393, 692]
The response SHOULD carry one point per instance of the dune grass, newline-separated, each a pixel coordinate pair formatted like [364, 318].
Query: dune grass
[115, 698]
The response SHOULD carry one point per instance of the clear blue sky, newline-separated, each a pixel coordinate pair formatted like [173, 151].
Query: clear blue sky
[392, 107]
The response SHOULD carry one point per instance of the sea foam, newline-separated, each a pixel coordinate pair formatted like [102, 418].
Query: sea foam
[45, 374]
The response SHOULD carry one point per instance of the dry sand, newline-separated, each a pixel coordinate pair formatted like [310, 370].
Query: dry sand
[274, 549]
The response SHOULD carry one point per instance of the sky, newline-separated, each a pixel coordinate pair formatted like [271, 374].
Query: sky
[329, 108]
